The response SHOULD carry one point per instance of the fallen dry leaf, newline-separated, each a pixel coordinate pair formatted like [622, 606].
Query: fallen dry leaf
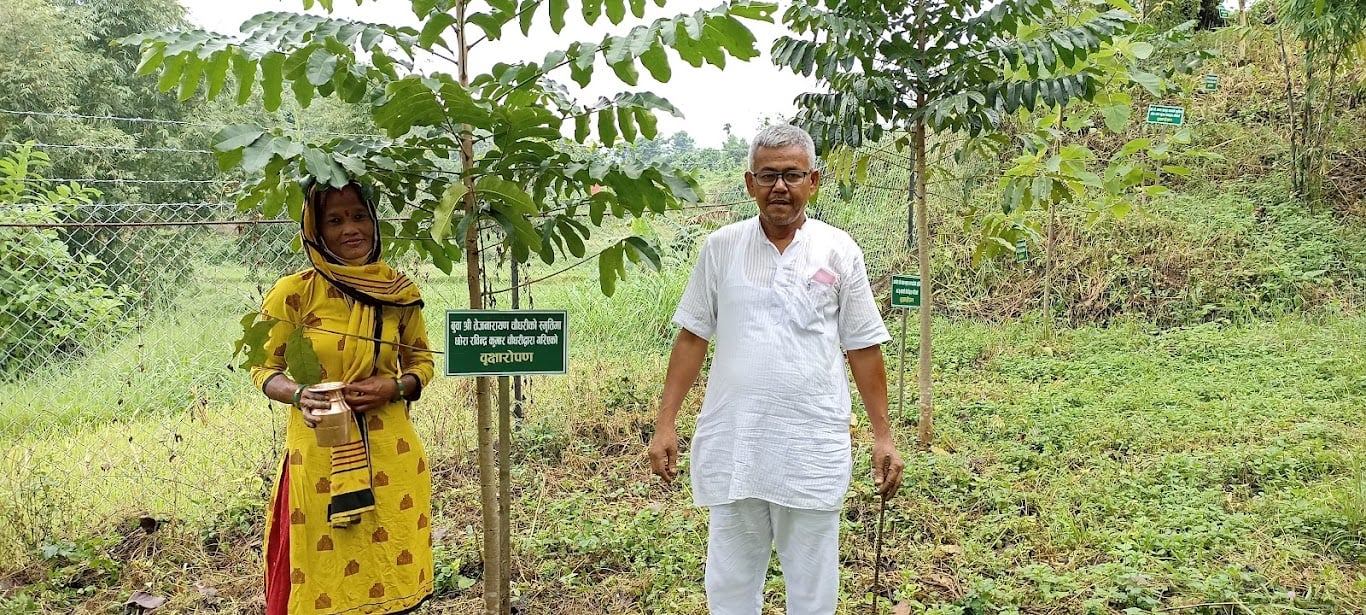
[948, 550]
[145, 601]
[901, 609]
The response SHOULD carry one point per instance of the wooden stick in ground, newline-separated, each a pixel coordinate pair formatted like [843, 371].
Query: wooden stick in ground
[505, 493]
[877, 554]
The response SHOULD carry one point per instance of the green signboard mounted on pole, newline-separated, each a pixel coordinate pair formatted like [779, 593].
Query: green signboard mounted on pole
[1021, 250]
[1166, 115]
[905, 291]
[506, 343]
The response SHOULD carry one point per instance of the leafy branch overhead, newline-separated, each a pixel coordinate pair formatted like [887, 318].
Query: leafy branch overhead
[533, 171]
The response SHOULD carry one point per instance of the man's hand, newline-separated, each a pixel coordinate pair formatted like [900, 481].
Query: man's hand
[887, 467]
[370, 394]
[664, 454]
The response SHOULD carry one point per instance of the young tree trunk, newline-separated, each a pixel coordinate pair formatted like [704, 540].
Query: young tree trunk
[488, 485]
[922, 231]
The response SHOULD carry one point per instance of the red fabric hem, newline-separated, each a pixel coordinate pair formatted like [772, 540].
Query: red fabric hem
[277, 551]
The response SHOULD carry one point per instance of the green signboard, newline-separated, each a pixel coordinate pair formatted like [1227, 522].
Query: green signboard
[1163, 114]
[1223, 12]
[495, 343]
[1021, 250]
[905, 291]
[1211, 82]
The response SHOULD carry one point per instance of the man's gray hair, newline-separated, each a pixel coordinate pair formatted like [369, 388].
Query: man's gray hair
[780, 136]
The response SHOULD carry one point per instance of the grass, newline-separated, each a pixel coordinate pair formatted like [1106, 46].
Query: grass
[1115, 468]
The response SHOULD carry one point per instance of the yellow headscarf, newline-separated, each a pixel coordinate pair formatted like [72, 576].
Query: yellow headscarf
[373, 285]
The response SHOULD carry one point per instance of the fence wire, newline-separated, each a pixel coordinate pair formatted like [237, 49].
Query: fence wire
[117, 396]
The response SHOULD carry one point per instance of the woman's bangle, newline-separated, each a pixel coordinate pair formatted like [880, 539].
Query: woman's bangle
[402, 394]
[299, 393]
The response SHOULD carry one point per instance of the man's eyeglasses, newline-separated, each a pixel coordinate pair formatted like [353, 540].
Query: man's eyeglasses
[770, 178]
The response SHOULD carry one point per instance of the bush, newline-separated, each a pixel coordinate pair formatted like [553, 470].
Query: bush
[51, 300]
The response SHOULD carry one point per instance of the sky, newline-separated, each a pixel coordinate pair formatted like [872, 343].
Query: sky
[742, 95]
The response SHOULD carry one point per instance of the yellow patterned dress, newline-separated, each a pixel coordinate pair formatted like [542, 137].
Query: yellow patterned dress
[377, 558]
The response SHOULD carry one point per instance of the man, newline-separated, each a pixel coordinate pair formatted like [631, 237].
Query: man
[781, 295]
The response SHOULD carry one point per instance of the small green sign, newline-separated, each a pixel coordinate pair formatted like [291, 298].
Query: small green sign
[1021, 250]
[1211, 82]
[497, 343]
[1163, 114]
[1223, 12]
[905, 291]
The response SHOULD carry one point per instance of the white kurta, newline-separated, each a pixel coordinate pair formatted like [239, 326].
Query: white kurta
[774, 424]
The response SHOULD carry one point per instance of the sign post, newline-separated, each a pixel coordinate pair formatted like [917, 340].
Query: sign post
[1021, 250]
[1211, 82]
[500, 343]
[905, 295]
[1167, 115]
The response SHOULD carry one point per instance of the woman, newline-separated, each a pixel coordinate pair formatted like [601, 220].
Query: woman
[349, 528]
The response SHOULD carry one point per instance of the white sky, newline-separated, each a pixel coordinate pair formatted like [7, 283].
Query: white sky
[709, 98]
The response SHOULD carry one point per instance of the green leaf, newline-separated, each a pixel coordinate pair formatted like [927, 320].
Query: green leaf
[189, 78]
[607, 126]
[758, 11]
[1150, 82]
[581, 123]
[170, 76]
[492, 26]
[320, 165]
[571, 237]
[656, 61]
[254, 337]
[236, 136]
[527, 15]
[638, 8]
[626, 71]
[640, 246]
[616, 11]
[649, 125]
[508, 192]
[1143, 51]
[216, 73]
[1116, 116]
[451, 198]
[592, 10]
[244, 71]
[303, 363]
[432, 30]
[609, 261]
[321, 66]
[627, 121]
[558, 8]
[272, 80]
[152, 58]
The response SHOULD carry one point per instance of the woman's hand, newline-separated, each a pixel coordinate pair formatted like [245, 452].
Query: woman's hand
[311, 402]
[371, 394]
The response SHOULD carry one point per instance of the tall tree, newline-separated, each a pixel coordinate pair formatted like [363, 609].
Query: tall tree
[901, 68]
[463, 151]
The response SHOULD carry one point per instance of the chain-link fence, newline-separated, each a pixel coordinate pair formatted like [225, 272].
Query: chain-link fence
[117, 397]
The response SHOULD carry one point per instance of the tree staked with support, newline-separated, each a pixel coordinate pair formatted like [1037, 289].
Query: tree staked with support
[901, 68]
[461, 152]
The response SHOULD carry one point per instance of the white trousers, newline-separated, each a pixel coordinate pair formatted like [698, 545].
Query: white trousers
[741, 538]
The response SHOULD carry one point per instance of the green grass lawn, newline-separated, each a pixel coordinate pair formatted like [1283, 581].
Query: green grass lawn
[1114, 468]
